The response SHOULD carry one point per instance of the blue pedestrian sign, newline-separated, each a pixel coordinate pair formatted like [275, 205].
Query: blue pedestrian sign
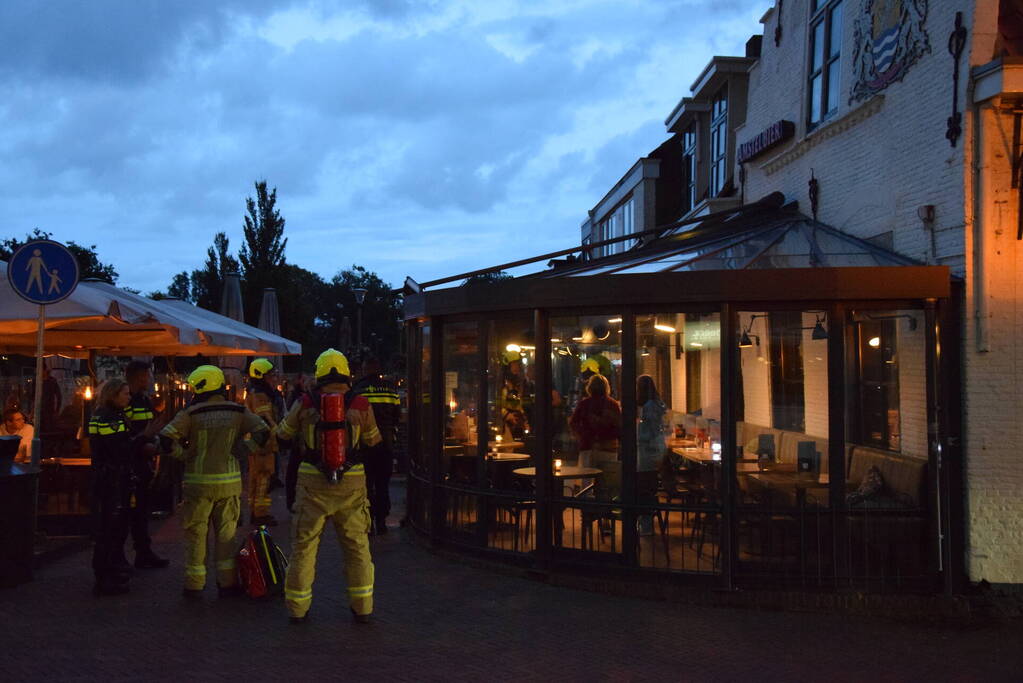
[43, 272]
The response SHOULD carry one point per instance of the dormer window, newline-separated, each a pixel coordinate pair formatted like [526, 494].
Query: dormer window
[825, 63]
[719, 142]
[689, 167]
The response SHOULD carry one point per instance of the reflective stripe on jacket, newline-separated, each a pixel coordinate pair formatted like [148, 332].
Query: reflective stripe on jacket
[212, 436]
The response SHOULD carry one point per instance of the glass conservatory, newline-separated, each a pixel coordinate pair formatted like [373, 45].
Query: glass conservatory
[751, 399]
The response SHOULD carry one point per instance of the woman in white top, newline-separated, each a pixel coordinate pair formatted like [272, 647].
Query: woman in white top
[14, 424]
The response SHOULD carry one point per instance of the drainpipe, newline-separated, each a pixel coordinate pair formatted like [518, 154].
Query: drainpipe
[980, 289]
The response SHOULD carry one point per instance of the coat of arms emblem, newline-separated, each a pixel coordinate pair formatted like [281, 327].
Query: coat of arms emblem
[889, 37]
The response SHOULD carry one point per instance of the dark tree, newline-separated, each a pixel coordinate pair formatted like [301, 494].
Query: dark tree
[180, 287]
[208, 282]
[486, 278]
[262, 252]
[381, 310]
[89, 265]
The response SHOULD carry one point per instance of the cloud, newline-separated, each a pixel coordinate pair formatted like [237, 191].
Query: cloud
[428, 137]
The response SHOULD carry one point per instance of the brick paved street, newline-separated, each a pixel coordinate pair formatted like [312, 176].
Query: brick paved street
[443, 620]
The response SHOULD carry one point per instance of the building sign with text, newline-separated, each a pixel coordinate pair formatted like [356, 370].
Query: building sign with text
[773, 135]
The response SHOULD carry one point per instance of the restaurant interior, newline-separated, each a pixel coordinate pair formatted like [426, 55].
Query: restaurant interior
[772, 425]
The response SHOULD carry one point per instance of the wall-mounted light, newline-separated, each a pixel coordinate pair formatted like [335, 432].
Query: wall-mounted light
[874, 342]
[663, 324]
[746, 338]
[614, 320]
[514, 348]
[645, 352]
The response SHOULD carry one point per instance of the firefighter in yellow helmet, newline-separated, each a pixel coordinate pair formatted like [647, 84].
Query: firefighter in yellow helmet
[209, 436]
[322, 495]
[262, 399]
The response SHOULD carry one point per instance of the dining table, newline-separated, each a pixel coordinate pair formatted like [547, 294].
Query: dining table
[563, 472]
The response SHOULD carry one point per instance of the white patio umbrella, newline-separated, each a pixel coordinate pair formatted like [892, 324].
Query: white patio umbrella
[101, 317]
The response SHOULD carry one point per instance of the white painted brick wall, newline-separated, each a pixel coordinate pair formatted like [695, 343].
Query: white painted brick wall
[874, 175]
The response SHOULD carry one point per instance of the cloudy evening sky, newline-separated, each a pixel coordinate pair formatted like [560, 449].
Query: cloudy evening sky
[414, 137]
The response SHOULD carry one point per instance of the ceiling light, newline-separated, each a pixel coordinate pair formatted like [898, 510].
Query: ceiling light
[514, 348]
[614, 320]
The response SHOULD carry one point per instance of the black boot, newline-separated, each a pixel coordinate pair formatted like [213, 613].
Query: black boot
[110, 585]
[147, 559]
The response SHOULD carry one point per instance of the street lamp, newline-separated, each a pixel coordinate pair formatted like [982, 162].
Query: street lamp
[360, 296]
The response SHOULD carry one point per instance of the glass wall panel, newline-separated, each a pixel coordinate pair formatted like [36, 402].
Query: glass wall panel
[887, 446]
[461, 365]
[678, 434]
[782, 484]
[423, 431]
[586, 358]
[511, 405]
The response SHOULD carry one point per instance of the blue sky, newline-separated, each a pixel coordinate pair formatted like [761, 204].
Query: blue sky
[414, 137]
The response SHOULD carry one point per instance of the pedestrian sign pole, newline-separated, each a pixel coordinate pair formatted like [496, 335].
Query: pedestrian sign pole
[42, 272]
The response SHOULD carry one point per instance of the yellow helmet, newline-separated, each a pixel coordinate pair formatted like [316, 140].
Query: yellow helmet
[592, 365]
[332, 366]
[260, 367]
[509, 357]
[206, 378]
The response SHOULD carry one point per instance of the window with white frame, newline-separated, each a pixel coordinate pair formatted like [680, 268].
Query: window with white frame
[689, 166]
[825, 59]
[719, 142]
[617, 224]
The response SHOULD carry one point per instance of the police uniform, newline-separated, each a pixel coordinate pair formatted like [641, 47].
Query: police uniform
[111, 445]
[138, 415]
[379, 460]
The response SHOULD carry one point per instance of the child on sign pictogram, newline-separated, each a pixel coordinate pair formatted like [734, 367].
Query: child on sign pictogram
[55, 282]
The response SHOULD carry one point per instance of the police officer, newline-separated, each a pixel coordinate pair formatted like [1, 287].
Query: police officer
[322, 495]
[262, 399]
[140, 413]
[208, 436]
[379, 460]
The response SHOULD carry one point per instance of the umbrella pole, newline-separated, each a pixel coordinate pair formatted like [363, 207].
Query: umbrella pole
[37, 407]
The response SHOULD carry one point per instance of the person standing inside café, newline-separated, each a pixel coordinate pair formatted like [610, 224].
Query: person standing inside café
[141, 413]
[597, 425]
[15, 425]
[113, 446]
[263, 399]
[651, 434]
[383, 400]
[210, 437]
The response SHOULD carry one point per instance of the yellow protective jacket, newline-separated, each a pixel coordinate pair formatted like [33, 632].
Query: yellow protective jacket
[210, 437]
[261, 404]
[304, 415]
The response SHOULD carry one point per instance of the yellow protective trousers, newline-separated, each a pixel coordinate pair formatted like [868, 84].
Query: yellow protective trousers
[261, 467]
[344, 504]
[203, 505]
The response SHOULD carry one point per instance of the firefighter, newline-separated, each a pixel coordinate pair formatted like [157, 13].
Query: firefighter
[262, 398]
[379, 460]
[209, 436]
[140, 414]
[322, 494]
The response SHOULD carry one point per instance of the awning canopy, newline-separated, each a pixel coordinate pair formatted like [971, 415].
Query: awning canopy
[749, 237]
[764, 251]
[99, 316]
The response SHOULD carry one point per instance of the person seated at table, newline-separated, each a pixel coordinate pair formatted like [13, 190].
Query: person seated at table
[597, 425]
[15, 425]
